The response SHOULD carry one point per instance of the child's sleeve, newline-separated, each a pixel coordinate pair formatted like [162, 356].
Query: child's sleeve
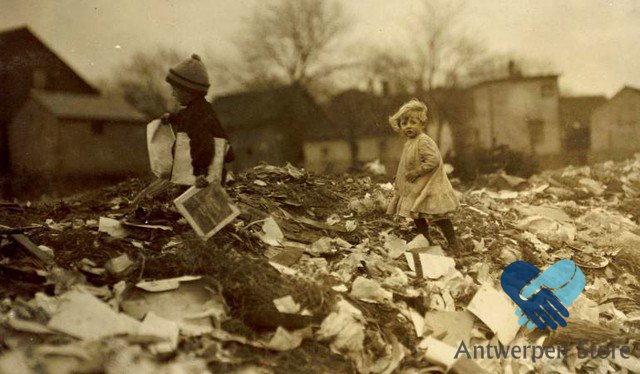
[201, 144]
[428, 154]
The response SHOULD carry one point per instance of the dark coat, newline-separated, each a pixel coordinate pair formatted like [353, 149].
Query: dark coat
[200, 122]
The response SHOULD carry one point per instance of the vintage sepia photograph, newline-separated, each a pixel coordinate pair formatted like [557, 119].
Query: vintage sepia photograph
[319, 186]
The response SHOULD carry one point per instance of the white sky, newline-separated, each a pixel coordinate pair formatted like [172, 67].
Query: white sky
[593, 44]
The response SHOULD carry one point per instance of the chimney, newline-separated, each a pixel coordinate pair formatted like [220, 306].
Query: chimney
[386, 88]
[514, 72]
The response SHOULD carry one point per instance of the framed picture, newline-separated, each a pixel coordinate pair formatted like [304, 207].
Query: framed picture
[206, 209]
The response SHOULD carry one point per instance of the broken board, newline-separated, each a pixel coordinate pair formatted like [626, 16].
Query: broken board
[206, 209]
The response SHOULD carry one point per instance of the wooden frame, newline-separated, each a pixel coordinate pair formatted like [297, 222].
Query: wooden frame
[206, 209]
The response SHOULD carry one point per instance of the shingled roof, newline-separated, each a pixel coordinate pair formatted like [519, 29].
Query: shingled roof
[86, 106]
[273, 106]
[367, 114]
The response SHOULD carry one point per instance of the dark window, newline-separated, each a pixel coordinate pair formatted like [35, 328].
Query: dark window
[536, 130]
[547, 90]
[249, 151]
[325, 151]
[97, 127]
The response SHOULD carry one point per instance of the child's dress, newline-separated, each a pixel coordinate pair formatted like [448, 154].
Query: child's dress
[431, 194]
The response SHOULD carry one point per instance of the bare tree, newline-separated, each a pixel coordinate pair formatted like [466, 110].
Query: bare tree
[393, 68]
[141, 80]
[442, 51]
[443, 54]
[292, 42]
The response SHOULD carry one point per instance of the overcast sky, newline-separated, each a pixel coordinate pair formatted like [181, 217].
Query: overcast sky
[593, 44]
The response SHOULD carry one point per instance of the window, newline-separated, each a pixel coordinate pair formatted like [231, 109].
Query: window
[536, 130]
[97, 127]
[547, 90]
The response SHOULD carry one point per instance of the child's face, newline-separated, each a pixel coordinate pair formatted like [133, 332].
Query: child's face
[183, 97]
[410, 125]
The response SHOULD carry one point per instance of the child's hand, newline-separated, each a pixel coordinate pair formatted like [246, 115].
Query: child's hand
[413, 175]
[164, 119]
[201, 181]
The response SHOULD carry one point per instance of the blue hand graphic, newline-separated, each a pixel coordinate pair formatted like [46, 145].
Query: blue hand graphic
[542, 307]
[563, 278]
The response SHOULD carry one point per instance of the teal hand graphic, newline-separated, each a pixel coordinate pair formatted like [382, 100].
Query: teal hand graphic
[563, 278]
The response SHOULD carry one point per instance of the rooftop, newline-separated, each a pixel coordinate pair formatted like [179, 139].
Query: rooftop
[86, 106]
[516, 79]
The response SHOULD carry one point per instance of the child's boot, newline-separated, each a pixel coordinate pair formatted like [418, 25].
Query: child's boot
[450, 234]
[423, 228]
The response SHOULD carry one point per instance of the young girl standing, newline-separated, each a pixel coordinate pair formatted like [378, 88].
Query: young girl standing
[422, 189]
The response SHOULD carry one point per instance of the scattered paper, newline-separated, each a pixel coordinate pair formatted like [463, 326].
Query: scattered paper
[438, 352]
[271, 233]
[284, 340]
[418, 242]
[287, 305]
[118, 265]
[156, 326]
[113, 227]
[194, 306]
[165, 284]
[84, 316]
[496, 311]
[370, 291]
[344, 328]
[395, 246]
[450, 327]
[430, 266]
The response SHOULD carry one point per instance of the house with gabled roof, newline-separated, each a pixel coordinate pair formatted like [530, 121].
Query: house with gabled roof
[521, 112]
[363, 133]
[58, 135]
[26, 62]
[55, 125]
[271, 125]
[615, 126]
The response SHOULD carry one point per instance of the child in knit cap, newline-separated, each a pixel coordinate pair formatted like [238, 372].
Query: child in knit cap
[422, 189]
[197, 119]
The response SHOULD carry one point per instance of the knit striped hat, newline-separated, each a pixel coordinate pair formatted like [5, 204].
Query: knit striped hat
[190, 74]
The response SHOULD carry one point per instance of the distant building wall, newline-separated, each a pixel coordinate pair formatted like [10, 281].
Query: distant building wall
[331, 156]
[335, 155]
[102, 148]
[44, 145]
[33, 135]
[522, 114]
[615, 127]
[261, 143]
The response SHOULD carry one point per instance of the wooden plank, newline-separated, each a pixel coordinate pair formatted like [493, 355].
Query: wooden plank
[27, 244]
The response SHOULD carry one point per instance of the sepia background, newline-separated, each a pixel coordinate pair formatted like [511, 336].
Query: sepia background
[509, 84]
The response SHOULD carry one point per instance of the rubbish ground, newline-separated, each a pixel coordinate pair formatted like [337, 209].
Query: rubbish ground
[314, 277]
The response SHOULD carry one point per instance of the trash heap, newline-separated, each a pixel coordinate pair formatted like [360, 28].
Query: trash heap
[314, 277]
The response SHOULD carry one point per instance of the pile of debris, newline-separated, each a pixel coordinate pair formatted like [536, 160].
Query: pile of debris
[313, 276]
